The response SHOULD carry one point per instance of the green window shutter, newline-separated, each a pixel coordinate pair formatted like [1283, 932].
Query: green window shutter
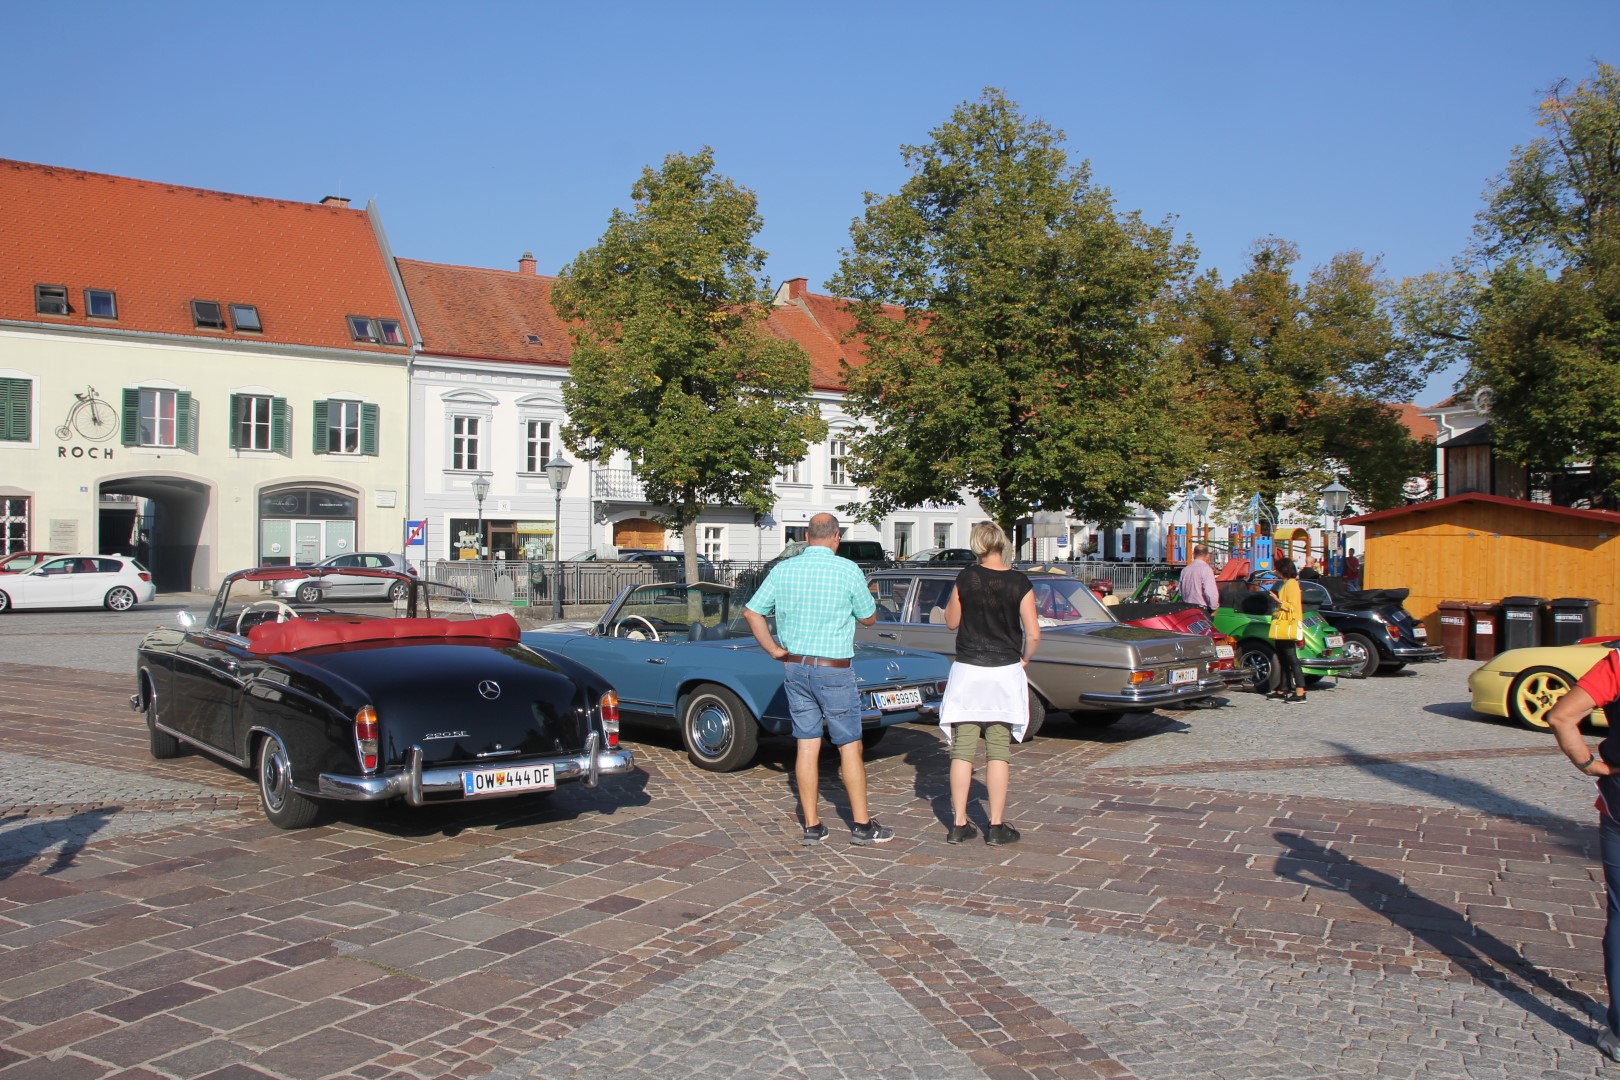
[132, 417]
[320, 427]
[185, 437]
[368, 430]
[236, 422]
[280, 436]
[15, 400]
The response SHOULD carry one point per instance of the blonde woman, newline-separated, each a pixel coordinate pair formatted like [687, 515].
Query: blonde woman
[992, 610]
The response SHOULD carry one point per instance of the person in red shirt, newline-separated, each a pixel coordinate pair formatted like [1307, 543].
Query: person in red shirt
[1600, 686]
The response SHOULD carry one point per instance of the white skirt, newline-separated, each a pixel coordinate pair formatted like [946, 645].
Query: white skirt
[987, 695]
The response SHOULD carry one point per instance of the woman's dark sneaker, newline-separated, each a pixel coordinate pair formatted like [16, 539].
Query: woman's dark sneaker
[870, 833]
[815, 834]
[959, 833]
[1001, 834]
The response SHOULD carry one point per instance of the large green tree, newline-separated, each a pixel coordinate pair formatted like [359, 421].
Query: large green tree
[1005, 308]
[1297, 377]
[671, 364]
[1533, 307]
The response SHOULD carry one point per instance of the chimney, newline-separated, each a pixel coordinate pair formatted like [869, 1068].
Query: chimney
[336, 200]
[797, 287]
[526, 263]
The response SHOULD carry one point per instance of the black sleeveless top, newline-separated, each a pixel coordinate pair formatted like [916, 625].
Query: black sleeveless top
[991, 634]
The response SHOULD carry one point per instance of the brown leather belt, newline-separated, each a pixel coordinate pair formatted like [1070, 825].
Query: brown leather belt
[814, 661]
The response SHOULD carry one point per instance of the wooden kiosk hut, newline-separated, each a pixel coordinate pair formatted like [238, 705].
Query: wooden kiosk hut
[1481, 548]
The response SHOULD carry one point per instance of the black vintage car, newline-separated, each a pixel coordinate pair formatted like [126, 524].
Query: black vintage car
[1379, 633]
[413, 698]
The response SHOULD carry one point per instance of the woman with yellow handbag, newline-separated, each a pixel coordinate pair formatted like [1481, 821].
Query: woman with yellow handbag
[1287, 631]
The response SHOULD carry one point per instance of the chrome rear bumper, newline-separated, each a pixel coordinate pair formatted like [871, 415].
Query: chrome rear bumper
[414, 783]
[1148, 696]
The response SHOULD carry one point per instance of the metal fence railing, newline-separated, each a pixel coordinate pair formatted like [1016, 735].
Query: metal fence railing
[524, 582]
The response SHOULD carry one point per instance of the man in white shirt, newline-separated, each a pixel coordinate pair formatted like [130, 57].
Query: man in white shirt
[1197, 583]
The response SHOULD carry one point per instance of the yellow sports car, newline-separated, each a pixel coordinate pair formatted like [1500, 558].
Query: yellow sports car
[1522, 684]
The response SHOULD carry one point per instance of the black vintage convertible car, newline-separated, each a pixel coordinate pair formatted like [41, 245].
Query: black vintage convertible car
[410, 697]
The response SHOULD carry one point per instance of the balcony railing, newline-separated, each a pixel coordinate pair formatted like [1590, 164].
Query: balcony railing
[621, 485]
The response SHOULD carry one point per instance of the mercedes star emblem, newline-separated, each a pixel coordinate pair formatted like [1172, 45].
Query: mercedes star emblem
[489, 689]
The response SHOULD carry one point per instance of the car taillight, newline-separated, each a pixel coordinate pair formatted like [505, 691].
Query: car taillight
[365, 737]
[1394, 632]
[1141, 677]
[610, 717]
[146, 577]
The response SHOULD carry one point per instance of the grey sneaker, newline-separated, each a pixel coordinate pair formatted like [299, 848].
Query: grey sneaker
[1001, 834]
[870, 833]
[814, 834]
[1608, 1043]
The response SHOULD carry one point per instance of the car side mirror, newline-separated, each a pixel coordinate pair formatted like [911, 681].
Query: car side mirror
[186, 620]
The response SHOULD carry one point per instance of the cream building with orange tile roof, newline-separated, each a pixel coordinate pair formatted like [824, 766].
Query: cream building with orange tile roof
[224, 372]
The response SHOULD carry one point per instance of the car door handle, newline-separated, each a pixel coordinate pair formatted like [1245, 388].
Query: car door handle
[891, 637]
[656, 660]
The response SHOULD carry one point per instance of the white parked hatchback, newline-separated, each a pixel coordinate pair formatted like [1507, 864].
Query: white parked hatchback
[115, 582]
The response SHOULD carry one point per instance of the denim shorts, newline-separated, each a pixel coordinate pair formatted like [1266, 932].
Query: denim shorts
[823, 695]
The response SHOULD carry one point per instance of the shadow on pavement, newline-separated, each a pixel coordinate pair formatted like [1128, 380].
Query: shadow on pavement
[1487, 959]
[20, 845]
[1481, 797]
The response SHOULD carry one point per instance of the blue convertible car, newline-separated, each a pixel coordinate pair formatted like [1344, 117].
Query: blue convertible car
[683, 655]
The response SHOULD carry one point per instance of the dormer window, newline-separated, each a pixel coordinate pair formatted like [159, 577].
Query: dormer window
[245, 317]
[51, 299]
[101, 303]
[207, 315]
[391, 332]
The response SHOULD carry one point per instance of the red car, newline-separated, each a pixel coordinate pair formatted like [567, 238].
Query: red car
[1186, 619]
[18, 561]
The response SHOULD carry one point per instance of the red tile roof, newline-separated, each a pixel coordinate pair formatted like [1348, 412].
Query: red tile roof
[1421, 427]
[158, 247]
[481, 314]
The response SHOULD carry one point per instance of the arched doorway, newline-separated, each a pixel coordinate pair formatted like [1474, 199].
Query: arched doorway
[174, 518]
[638, 534]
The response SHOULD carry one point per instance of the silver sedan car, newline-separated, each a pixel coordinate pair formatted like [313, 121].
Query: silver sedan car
[327, 580]
[1089, 664]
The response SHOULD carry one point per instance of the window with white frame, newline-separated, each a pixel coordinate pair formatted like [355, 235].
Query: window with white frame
[259, 422]
[13, 525]
[942, 534]
[343, 427]
[464, 443]
[791, 474]
[536, 445]
[156, 426]
[837, 466]
[714, 543]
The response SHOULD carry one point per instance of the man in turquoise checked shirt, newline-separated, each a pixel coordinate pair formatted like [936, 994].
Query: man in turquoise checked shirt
[817, 599]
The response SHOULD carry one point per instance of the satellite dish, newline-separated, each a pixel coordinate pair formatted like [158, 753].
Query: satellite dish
[1483, 398]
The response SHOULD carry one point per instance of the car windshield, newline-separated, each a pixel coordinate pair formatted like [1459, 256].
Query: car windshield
[675, 611]
[245, 601]
[1059, 601]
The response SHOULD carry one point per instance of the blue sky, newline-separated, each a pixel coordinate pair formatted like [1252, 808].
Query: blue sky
[486, 129]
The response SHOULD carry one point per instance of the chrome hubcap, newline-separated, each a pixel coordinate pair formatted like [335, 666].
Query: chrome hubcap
[710, 728]
[273, 776]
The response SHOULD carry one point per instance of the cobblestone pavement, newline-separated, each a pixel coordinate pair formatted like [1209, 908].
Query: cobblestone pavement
[1377, 884]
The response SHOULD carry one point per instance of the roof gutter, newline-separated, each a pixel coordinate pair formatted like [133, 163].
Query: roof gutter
[375, 217]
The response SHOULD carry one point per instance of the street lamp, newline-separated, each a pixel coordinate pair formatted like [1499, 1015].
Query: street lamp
[1199, 501]
[558, 469]
[480, 486]
[1335, 501]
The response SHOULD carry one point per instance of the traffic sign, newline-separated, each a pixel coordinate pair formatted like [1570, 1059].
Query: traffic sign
[416, 534]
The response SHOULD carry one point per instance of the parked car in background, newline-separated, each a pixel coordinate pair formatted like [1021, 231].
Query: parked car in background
[340, 578]
[867, 554]
[1378, 632]
[423, 702]
[115, 582]
[684, 657]
[1089, 664]
[18, 561]
[1522, 684]
[1245, 615]
[963, 556]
